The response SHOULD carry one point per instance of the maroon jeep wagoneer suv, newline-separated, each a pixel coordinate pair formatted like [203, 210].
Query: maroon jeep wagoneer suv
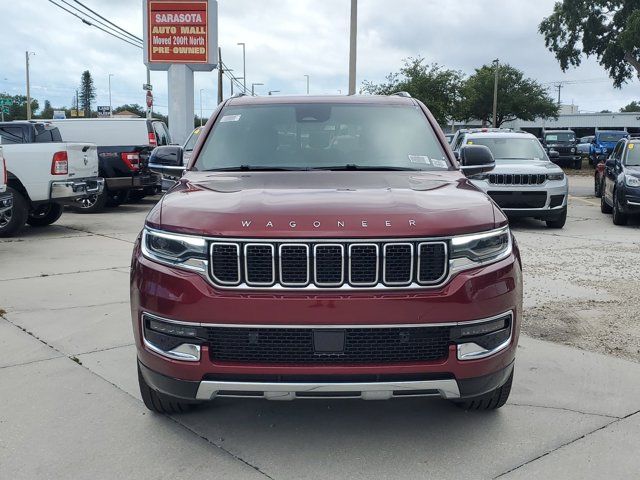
[323, 247]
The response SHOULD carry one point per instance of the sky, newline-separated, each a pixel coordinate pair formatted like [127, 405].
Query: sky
[287, 39]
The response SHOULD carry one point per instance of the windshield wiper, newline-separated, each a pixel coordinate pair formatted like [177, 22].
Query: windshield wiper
[380, 168]
[255, 168]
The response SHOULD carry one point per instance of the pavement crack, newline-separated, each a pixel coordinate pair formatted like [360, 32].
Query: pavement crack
[30, 362]
[44, 275]
[55, 309]
[99, 234]
[98, 350]
[565, 410]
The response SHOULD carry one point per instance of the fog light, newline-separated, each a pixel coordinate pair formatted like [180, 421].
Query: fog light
[482, 339]
[170, 339]
[172, 329]
[483, 328]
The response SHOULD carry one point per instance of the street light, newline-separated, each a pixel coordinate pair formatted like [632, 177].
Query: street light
[307, 84]
[232, 80]
[271, 92]
[26, 54]
[201, 106]
[244, 66]
[110, 75]
[253, 86]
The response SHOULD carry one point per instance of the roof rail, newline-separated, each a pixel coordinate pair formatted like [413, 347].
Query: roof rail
[401, 94]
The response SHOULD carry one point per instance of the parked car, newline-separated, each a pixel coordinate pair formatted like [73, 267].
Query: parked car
[44, 174]
[459, 136]
[621, 188]
[524, 183]
[563, 142]
[603, 144]
[170, 161]
[124, 145]
[584, 146]
[342, 228]
[6, 199]
[449, 136]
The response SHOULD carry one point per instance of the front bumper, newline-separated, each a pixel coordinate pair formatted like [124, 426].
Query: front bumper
[71, 190]
[187, 297]
[631, 200]
[6, 202]
[512, 200]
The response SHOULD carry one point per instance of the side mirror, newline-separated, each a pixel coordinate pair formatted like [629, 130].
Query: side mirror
[167, 160]
[610, 162]
[554, 154]
[475, 159]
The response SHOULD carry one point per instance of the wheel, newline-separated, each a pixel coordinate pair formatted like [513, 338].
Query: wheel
[159, 402]
[489, 401]
[559, 221]
[597, 187]
[91, 204]
[117, 198]
[578, 164]
[45, 215]
[137, 195]
[604, 206]
[14, 219]
[619, 218]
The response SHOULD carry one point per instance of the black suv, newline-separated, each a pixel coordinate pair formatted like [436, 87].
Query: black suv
[621, 188]
[564, 142]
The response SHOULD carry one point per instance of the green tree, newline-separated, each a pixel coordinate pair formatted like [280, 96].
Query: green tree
[47, 111]
[18, 107]
[437, 87]
[632, 107]
[518, 96]
[131, 107]
[87, 93]
[606, 29]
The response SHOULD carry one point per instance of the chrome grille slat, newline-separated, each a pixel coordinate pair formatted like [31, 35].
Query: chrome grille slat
[517, 178]
[328, 264]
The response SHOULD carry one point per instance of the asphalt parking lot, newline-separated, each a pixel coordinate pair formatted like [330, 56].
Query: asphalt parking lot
[71, 406]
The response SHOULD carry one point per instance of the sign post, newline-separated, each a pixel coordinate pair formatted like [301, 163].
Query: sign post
[180, 37]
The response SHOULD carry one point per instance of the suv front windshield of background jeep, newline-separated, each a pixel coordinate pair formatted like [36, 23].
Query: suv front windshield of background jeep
[322, 136]
[511, 148]
[560, 137]
[633, 155]
[611, 137]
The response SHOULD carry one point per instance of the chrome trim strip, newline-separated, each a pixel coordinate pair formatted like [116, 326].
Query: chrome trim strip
[483, 352]
[315, 265]
[365, 284]
[332, 326]
[174, 355]
[632, 203]
[207, 390]
[446, 263]
[292, 284]
[384, 265]
[273, 265]
[220, 282]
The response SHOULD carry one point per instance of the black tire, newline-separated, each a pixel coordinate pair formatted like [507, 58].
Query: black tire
[159, 402]
[91, 204]
[45, 215]
[559, 221]
[578, 164]
[117, 198]
[489, 401]
[604, 206]
[137, 195]
[619, 218]
[14, 219]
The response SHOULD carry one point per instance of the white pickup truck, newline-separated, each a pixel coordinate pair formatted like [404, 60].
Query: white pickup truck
[6, 199]
[44, 174]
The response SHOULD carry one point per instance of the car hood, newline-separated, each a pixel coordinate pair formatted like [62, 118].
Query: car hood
[525, 166]
[325, 204]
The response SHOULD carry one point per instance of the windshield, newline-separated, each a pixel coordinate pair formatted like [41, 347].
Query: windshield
[611, 137]
[322, 136]
[560, 137]
[191, 141]
[633, 155]
[511, 148]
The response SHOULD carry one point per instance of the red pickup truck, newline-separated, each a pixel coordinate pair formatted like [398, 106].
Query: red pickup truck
[323, 247]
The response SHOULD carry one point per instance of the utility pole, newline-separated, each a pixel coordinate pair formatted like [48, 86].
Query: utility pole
[220, 72]
[496, 64]
[26, 54]
[201, 106]
[559, 87]
[77, 104]
[353, 40]
[307, 84]
[149, 109]
[110, 108]
[244, 66]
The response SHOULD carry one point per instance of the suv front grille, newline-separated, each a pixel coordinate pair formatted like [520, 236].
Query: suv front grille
[517, 178]
[296, 345]
[327, 265]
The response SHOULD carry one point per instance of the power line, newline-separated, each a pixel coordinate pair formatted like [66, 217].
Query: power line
[107, 20]
[87, 22]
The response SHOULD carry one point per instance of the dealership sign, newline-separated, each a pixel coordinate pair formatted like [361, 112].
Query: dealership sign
[180, 32]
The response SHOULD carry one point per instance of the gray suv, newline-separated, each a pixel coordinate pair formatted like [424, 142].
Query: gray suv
[524, 182]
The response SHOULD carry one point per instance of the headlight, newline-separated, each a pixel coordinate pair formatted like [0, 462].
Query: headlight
[632, 181]
[183, 251]
[604, 149]
[573, 150]
[555, 176]
[470, 251]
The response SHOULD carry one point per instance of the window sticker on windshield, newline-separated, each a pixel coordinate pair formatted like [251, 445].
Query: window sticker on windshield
[469, 142]
[230, 118]
[631, 145]
[438, 163]
[423, 159]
